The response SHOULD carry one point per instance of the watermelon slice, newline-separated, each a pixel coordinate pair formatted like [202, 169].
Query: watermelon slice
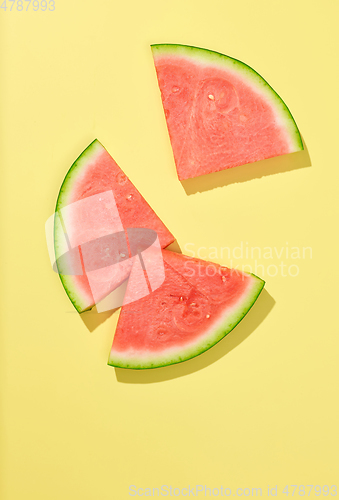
[220, 113]
[196, 306]
[97, 200]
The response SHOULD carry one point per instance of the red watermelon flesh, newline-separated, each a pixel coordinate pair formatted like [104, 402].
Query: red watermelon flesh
[97, 199]
[220, 113]
[219, 283]
[187, 315]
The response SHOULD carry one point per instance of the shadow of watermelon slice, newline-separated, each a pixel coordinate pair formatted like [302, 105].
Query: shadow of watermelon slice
[248, 172]
[242, 331]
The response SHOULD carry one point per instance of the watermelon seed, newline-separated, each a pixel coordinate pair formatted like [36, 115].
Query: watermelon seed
[121, 178]
[211, 96]
[122, 255]
[175, 89]
[224, 278]
[208, 316]
[129, 197]
[181, 299]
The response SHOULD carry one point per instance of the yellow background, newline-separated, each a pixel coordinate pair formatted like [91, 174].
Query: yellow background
[260, 408]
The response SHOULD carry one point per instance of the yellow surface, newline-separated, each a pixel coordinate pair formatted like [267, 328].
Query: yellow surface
[259, 409]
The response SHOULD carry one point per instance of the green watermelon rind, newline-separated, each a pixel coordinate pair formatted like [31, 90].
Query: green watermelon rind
[219, 60]
[217, 333]
[72, 175]
[85, 158]
[67, 281]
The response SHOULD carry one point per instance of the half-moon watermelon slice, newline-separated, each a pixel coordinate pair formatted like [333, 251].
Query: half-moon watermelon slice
[220, 113]
[196, 306]
[96, 200]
